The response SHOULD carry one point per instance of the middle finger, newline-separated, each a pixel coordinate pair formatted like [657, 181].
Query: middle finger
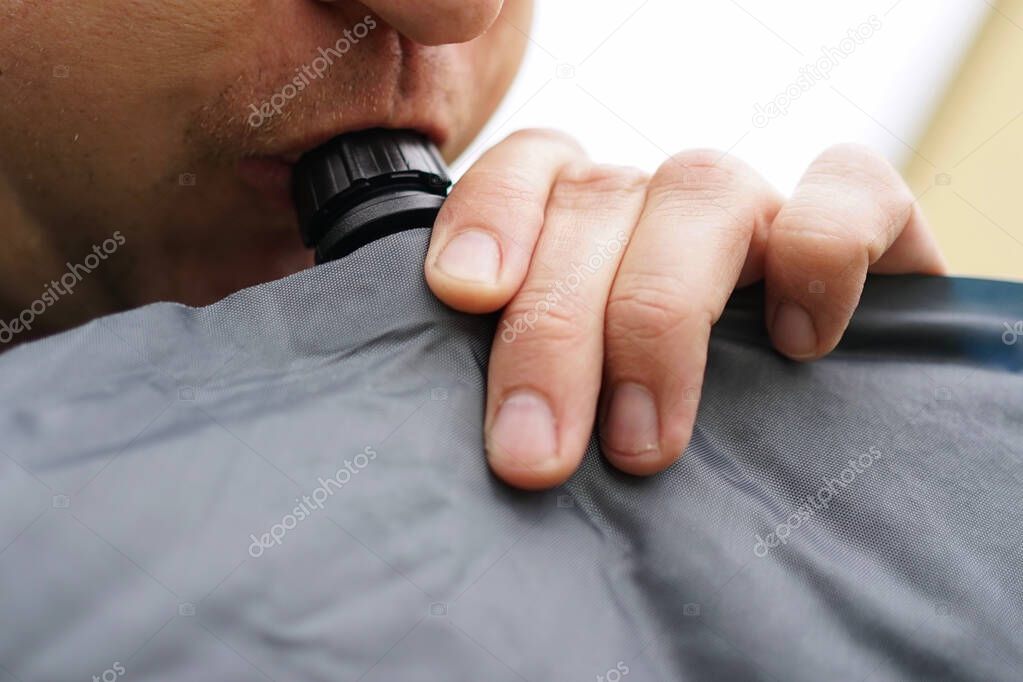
[545, 365]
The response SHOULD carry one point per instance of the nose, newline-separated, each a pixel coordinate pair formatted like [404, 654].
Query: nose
[437, 22]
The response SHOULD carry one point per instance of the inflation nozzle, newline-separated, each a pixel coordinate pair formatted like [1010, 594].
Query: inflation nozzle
[365, 185]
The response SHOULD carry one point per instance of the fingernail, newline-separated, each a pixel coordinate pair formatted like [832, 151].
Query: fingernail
[632, 426]
[793, 331]
[523, 433]
[474, 256]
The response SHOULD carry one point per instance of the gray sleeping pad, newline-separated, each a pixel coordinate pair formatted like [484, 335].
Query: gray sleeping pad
[290, 485]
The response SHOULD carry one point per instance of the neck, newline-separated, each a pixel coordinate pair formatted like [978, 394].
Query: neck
[34, 300]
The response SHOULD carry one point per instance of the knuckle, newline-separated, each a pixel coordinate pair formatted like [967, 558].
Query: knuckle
[652, 307]
[545, 136]
[698, 182]
[852, 153]
[859, 166]
[817, 239]
[539, 315]
[698, 169]
[850, 195]
[505, 183]
[580, 186]
[494, 195]
[710, 184]
[802, 217]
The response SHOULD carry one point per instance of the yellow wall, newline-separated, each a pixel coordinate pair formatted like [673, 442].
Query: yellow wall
[969, 170]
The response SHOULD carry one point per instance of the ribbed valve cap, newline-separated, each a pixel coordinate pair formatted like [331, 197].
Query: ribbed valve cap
[365, 185]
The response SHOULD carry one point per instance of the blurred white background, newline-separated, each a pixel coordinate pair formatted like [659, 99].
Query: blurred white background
[635, 80]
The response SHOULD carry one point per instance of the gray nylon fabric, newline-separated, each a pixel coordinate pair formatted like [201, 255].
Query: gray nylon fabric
[290, 485]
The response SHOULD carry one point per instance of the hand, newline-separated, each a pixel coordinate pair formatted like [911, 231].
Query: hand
[611, 280]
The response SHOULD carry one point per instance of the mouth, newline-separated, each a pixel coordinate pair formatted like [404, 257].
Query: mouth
[270, 174]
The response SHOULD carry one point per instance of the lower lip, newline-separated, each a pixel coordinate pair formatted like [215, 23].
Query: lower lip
[271, 177]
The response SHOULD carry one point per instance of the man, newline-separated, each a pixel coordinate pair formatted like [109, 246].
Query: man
[173, 127]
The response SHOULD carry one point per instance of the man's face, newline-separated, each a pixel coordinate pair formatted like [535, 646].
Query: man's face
[175, 121]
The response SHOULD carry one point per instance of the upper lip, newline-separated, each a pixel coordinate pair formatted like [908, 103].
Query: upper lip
[402, 100]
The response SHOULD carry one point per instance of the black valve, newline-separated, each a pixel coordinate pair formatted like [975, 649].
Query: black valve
[365, 185]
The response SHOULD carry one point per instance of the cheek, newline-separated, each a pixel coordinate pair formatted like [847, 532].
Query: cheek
[96, 71]
[101, 94]
[138, 56]
[152, 35]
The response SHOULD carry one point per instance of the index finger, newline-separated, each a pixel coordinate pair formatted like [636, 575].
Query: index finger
[484, 237]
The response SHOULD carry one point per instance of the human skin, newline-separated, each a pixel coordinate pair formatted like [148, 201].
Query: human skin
[135, 117]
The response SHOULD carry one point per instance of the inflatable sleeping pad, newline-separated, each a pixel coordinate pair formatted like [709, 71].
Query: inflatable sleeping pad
[290, 485]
